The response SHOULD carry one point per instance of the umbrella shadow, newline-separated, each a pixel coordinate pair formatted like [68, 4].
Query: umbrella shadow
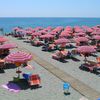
[75, 59]
[94, 55]
[9, 66]
[63, 60]
[27, 41]
[24, 85]
[2, 71]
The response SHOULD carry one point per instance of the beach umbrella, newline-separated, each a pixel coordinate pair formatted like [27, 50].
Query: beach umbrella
[3, 39]
[80, 34]
[81, 39]
[86, 50]
[95, 33]
[18, 58]
[53, 33]
[36, 34]
[61, 41]
[15, 28]
[8, 46]
[46, 36]
[64, 35]
[96, 37]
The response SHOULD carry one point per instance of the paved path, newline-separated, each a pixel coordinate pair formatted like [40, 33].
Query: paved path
[82, 88]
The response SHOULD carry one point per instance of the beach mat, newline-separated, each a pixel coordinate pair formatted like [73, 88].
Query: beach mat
[12, 87]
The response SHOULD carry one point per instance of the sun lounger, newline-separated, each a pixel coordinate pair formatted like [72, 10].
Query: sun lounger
[33, 79]
[91, 66]
[37, 43]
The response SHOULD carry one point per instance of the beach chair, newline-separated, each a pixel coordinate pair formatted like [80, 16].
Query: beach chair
[92, 66]
[34, 80]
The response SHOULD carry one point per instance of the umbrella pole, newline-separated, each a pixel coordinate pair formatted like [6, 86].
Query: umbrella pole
[18, 73]
[85, 59]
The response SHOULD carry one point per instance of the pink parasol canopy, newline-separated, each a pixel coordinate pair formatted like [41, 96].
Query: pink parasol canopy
[8, 46]
[18, 57]
[86, 49]
[61, 41]
[36, 34]
[46, 36]
[3, 39]
[97, 37]
[80, 34]
[81, 39]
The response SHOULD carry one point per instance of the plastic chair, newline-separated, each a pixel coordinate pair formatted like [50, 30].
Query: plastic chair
[34, 80]
[66, 87]
[26, 75]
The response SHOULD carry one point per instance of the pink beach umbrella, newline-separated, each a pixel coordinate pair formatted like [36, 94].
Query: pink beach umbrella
[86, 50]
[61, 41]
[36, 34]
[97, 37]
[3, 39]
[16, 28]
[53, 33]
[8, 46]
[80, 34]
[46, 36]
[81, 39]
[18, 58]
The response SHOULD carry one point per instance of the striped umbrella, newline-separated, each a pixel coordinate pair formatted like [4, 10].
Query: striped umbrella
[8, 46]
[86, 50]
[61, 41]
[19, 56]
[3, 39]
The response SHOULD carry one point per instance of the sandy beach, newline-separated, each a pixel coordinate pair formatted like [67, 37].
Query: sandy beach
[52, 87]
[71, 67]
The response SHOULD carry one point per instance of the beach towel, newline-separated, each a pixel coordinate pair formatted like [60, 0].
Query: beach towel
[12, 87]
[29, 67]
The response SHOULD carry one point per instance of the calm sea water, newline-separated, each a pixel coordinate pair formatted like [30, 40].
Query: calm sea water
[9, 23]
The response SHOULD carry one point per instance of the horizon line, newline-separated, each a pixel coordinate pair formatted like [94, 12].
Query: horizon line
[48, 17]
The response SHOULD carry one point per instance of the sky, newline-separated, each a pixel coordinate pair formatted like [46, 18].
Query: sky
[49, 8]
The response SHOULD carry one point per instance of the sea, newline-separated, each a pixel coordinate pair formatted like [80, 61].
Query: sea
[8, 23]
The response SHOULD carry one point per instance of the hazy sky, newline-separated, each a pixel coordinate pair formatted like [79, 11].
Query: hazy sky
[49, 8]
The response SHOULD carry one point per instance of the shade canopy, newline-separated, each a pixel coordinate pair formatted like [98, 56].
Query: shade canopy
[18, 57]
